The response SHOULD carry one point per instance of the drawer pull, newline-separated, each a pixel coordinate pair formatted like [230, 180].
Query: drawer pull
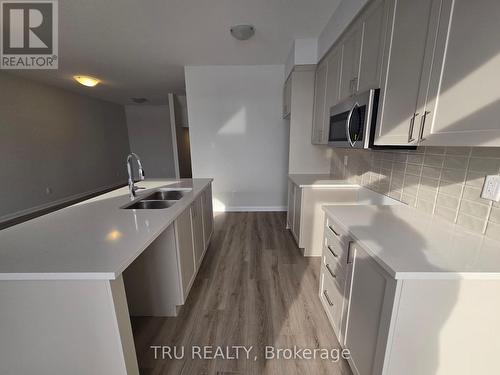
[333, 230]
[331, 272]
[327, 298]
[333, 252]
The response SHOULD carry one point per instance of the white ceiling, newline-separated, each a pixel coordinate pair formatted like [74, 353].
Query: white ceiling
[139, 47]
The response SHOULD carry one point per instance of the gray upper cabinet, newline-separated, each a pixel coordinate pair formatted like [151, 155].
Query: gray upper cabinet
[319, 129]
[374, 21]
[334, 61]
[434, 61]
[351, 52]
[462, 105]
[404, 58]
[352, 65]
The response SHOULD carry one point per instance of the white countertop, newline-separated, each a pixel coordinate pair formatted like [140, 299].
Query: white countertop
[93, 239]
[410, 244]
[318, 181]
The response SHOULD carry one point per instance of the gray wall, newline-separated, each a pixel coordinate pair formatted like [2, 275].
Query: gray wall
[150, 137]
[56, 141]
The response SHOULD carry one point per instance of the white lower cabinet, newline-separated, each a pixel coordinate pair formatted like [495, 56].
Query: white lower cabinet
[305, 215]
[159, 281]
[291, 205]
[185, 252]
[368, 311]
[294, 211]
[297, 218]
[420, 325]
[198, 231]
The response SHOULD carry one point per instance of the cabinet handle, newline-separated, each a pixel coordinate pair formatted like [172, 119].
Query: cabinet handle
[327, 298]
[410, 130]
[330, 270]
[333, 230]
[349, 253]
[354, 82]
[422, 126]
[333, 252]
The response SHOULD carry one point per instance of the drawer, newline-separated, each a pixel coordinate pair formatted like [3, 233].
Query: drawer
[335, 249]
[331, 296]
[334, 232]
[335, 269]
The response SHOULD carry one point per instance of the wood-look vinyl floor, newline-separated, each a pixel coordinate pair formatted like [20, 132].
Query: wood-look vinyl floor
[254, 288]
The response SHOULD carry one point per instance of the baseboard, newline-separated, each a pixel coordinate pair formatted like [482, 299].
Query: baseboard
[253, 209]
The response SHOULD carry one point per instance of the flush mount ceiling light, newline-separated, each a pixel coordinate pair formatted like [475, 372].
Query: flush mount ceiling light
[87, 80]
[242, 32]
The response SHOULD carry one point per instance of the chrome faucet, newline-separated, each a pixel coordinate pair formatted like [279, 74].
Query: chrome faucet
[131, 185]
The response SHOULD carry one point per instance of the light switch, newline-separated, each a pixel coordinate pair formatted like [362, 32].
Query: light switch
[491, 188]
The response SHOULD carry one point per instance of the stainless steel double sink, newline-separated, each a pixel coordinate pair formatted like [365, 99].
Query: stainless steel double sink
[157, 200]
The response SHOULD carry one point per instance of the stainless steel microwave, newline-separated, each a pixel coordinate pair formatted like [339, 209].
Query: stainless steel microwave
[353, 120]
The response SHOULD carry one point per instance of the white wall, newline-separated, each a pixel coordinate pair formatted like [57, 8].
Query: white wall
[304, 51]
[343, 15]
[56, 145]
[150, 137]
[237, 134]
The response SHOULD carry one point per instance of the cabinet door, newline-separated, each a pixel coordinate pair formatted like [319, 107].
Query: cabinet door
[197, 228]
[374, 21]
[334, 60]
[464, 101]
[185, 251]
[208, 215]
[291, 203]
[403, 61]
[369, 312]
[319, 118]
[297, 213]
[351, 52]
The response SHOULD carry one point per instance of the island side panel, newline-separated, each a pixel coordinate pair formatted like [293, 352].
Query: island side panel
[152, 280]
[446, 327]
[78, 327]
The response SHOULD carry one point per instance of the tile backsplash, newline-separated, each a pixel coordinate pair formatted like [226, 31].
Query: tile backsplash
[443, 181]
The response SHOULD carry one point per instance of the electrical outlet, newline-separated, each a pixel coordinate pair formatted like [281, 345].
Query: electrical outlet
[491, 188]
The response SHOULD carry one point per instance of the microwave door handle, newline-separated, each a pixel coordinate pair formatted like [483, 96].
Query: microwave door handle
[348, 125]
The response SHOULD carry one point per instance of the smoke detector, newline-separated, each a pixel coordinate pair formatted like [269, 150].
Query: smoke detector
[242, 32]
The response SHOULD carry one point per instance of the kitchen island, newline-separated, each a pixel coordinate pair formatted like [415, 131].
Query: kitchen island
[63, 278]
